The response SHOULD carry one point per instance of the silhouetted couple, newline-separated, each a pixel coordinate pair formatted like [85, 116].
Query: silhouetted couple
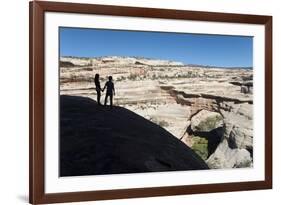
[110, 91]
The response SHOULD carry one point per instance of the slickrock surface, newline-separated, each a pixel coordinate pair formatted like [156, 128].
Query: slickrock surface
[99, 140]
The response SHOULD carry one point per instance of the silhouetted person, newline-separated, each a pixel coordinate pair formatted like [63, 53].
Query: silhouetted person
[98, 87]
[109, 85]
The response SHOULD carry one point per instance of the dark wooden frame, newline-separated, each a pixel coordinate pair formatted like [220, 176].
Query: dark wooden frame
[37, 95]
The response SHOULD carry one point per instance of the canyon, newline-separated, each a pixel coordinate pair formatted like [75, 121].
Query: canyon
[209, 109]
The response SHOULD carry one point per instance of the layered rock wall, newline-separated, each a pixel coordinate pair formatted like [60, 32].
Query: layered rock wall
[207, 108]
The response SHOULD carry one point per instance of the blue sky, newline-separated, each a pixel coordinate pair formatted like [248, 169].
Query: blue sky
[216, 50]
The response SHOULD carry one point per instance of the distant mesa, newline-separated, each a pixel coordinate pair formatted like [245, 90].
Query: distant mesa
[137, 60]
[119, 60]
[108, 60]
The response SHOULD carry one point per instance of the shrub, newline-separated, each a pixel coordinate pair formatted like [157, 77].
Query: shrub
[86, 69]
[200, 146]
[163, 123]
[132, 76]
[153, 77]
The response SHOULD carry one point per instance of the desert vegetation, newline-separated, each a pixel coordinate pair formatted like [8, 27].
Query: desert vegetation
[207, 108]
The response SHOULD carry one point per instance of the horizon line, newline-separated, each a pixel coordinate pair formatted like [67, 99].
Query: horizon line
[152, 58]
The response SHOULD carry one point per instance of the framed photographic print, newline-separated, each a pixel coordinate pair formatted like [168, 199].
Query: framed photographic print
[139, 102]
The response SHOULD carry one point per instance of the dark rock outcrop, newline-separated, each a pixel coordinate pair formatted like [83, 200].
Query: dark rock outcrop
[99, 140]
[139, 63]
[66, 64]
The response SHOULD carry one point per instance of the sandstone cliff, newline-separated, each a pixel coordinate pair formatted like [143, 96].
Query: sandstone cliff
[207, 108]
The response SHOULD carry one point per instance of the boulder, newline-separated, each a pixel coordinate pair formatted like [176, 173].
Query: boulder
[240, 137]
[206, 121]
[225, 157]
[247, 89]
[239, 126]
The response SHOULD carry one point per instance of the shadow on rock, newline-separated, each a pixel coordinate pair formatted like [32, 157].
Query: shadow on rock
[98, 140]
